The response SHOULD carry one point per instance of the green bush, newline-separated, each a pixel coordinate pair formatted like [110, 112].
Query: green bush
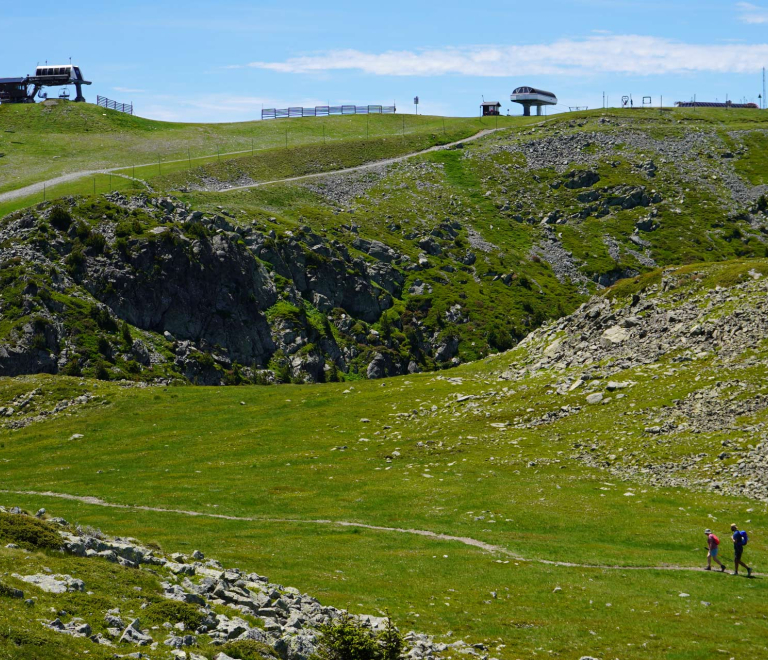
[60, 218]
[347, 639]
[96, 242]
[196, 229]
[248, 649]
[100, 371]
[28, 532]
[72, 368]
[74, 260]
[174, 612]
[125, 334]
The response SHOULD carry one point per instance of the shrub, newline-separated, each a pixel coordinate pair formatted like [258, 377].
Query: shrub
[248, 649]
[82, 231]
[121, 245]
[280, 366]
[174, 611]
[101, 372]
[347, 639]
[75, 260]
[103, 318]
[60, 218]
[125, 333]
[38, 342]
[96, 242]
[104, 346]
[133, 367]
[196, 230]
[28, 532]
[72, 368]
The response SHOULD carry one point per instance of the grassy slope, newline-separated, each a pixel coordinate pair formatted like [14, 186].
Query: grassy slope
[40, 142]
[274, 457]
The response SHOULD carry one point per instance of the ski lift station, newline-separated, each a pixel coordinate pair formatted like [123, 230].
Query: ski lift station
[25, 89]
[530, 97]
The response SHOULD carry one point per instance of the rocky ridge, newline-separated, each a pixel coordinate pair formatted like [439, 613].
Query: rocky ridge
[289, 620]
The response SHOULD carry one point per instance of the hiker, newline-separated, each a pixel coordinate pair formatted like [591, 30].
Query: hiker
[739, 541]
[713, 545]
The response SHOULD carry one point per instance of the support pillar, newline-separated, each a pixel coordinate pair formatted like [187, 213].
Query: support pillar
[79, 98]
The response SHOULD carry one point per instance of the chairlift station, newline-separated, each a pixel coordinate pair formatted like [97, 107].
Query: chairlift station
[25, 89]
[530, 97]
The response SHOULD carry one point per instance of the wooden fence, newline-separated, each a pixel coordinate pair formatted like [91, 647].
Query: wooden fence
[325, 110]
[104, 102]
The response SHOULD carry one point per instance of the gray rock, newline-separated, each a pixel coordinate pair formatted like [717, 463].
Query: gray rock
[53, 584]
[133, 635]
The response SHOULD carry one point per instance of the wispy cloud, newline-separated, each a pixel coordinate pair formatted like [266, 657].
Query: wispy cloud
[216, 107]
[129, 90]
[627, 54]
[753, 14]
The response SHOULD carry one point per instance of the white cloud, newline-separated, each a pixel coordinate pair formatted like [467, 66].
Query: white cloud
[753, 14]
[129, 90]
[627, 54]
[215, 107]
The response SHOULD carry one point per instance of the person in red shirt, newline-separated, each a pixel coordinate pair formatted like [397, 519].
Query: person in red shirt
[713, 545]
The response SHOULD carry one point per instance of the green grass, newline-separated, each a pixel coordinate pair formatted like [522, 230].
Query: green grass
[277, 459]
[40, 142]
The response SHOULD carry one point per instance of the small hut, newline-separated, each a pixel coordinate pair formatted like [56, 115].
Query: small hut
[491, 108]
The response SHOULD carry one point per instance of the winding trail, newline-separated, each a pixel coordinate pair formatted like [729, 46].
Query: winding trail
[482, 545]
[368, 166]
[38, 187]
[34, 188]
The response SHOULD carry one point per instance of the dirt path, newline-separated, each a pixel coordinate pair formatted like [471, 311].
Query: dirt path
[487, 547]
[38, 187]
[368, 166]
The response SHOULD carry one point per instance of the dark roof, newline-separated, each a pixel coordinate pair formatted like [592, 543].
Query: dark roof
[532, 90]
[11, 81]
[493, 103]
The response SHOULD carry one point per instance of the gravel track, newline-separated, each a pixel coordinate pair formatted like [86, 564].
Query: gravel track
[487, 547]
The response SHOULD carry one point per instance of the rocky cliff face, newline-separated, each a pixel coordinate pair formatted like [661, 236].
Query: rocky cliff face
[208, 300]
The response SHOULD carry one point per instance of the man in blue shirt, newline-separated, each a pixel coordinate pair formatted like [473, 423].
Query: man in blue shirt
[738, 550]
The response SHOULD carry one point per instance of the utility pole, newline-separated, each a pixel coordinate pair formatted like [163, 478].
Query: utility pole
[762, 105]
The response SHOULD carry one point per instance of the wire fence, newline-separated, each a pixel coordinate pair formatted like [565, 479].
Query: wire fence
[325, 110]
[109, 104]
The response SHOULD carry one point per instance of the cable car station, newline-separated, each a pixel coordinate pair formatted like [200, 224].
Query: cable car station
[24, 90]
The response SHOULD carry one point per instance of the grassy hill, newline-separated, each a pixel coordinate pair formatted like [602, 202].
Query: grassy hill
[600, 279]
[505, 451]
[40, 142]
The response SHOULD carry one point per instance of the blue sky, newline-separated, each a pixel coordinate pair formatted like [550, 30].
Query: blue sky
[220, 61]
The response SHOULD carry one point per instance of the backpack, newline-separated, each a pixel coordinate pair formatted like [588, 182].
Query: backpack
[716, 540]
[744, 538]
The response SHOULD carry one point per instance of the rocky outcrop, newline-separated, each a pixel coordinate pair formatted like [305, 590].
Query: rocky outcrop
[234, 605]
[215, 300]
